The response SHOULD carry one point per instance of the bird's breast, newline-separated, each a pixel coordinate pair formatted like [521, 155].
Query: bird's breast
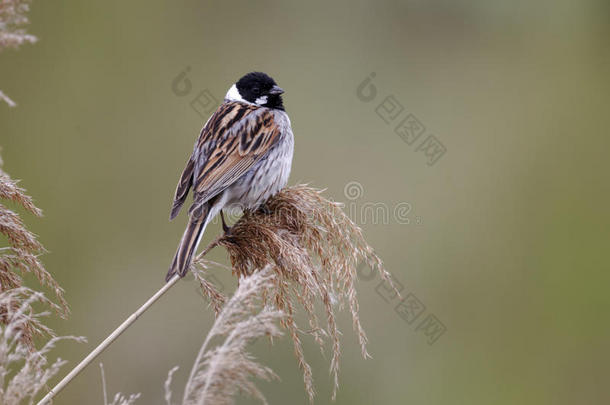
[270, 174]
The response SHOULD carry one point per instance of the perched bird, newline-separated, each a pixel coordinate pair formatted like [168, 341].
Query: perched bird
[242, 157]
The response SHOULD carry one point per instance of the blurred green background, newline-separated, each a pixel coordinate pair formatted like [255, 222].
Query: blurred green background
[504, 237]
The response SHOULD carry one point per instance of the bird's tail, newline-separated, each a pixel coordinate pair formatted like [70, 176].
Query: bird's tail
[188, 245]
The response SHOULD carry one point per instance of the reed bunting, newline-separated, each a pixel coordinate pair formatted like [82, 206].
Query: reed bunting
[242, 157]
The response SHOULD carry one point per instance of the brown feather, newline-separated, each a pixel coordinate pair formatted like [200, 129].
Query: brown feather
[232, 141]
[188, 245]
[186, 180]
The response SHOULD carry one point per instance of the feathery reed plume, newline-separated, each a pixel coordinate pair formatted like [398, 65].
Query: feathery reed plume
[313, 248]
[168, 385]
[20, 256]
[208, 289]
[13, 16]
[220, 372]
[24, 372]
[119, 399]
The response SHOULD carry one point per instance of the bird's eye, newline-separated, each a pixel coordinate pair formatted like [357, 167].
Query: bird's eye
[256, 90]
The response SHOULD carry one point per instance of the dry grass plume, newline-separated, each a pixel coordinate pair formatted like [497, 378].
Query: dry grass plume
[313, 248]
[219, 373]
[20, 255]
[13, 18]
[24, 371]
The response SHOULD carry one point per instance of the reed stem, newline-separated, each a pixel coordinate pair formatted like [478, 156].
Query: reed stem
[111, 338]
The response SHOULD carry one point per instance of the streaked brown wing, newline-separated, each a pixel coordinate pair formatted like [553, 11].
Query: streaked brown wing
[245, 135]
[186, 180]
[234, 138]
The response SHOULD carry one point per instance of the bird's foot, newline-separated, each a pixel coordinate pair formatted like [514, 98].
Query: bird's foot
[225, 227]
[264, 209]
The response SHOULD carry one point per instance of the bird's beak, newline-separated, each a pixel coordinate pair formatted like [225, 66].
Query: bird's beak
[276, 90]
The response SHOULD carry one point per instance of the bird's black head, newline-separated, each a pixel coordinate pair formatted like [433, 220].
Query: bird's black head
[257, 88]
